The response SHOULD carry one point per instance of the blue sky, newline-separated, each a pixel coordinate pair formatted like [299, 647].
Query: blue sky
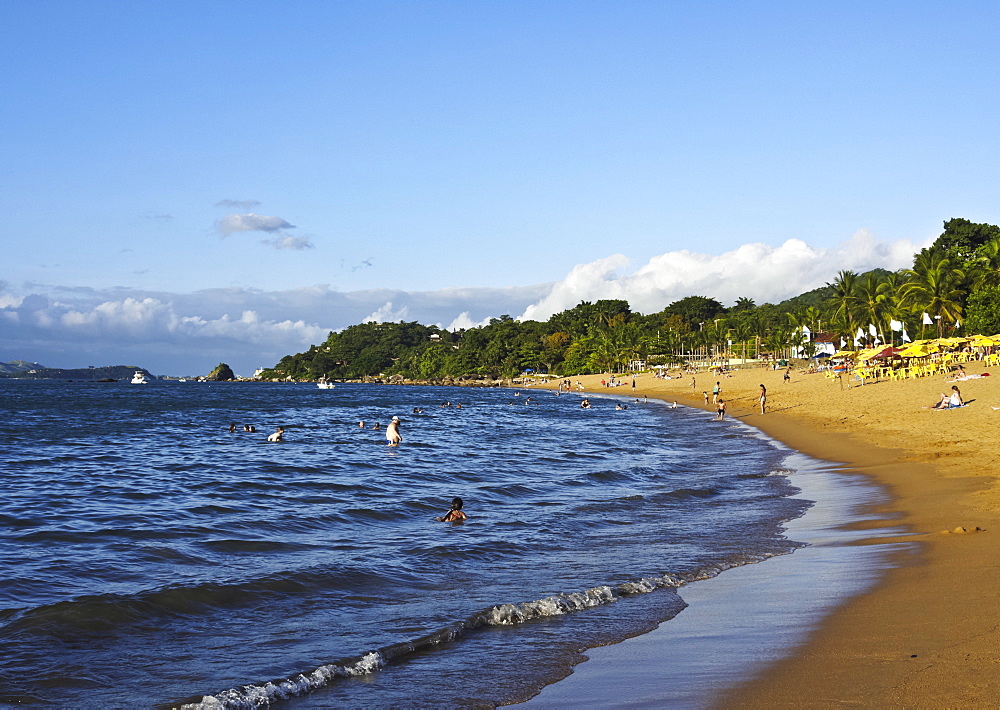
[189, 182]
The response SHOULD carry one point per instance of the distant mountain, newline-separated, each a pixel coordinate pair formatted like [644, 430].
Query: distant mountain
[19, 366]
[86, 374]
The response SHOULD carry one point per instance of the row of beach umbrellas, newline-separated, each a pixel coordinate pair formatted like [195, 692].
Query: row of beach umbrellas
[919, 348]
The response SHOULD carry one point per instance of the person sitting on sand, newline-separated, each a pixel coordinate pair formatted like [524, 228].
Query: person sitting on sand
[950, 401]
[455, 514]
[277, 436]
[392, 435]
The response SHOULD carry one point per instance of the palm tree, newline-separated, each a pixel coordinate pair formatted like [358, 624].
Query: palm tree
[987, 271]
[890, 291]
[935, 286]
[845, 298]
[870, 302]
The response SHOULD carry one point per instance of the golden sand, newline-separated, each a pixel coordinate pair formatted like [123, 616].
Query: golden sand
[929, 635]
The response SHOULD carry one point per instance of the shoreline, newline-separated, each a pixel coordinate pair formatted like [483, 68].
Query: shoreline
[925, 634]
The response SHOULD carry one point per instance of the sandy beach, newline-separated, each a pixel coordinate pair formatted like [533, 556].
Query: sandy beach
[926, 635]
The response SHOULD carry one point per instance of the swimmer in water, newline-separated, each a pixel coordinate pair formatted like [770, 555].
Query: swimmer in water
[232, 428]
[249, 427]
[277, 436]
[392, 432]
[585, 404]
[455, 514]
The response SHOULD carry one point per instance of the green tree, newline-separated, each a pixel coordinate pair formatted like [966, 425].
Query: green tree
[961, 239]
[983, 311]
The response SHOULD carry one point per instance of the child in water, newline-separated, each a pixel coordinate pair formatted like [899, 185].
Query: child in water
[455, 514]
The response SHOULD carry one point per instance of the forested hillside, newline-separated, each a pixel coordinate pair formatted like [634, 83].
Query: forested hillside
[955, 282]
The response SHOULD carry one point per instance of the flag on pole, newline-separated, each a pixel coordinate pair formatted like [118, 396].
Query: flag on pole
[958, 324]
[805, 331]
[859, 335]
[906, 337]
[895, 325]
[872, 330]
[927, 319]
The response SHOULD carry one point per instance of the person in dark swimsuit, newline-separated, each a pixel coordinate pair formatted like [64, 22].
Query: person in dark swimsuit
[455, 514]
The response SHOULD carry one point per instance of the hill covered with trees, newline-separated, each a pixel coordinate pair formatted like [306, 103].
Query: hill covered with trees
[955, 281]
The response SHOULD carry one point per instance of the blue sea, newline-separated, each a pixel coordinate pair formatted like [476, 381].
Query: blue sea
[152, 558]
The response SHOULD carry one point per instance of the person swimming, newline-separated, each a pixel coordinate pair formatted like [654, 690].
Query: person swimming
[585, 404]
[277, 436]
[455, 514]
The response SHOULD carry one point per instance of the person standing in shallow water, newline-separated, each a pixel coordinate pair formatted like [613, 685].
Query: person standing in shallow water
[392, 432]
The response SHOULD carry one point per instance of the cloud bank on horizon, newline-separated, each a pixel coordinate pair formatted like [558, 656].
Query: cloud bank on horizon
[759, 271]
[173, 333]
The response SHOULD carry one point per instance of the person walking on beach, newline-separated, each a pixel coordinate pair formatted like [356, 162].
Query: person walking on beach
[721, 409]
[716, 391]
[392, 432]
[763, 398]
[455, 514]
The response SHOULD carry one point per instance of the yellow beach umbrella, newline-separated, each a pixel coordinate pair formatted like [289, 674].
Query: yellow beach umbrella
[983, 341]
[920, 349]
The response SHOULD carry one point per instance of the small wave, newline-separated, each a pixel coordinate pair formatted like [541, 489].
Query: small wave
[253, 696]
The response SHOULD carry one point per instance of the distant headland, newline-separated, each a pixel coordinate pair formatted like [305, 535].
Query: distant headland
[22, 370]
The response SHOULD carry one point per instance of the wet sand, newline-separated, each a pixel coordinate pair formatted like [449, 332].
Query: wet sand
[926, 635]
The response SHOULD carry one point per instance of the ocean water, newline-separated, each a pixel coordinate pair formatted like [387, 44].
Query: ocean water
[154, 559]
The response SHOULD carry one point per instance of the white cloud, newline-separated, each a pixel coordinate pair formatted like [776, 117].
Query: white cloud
[386, 314]
[759, 271]
[463, 321]
[250, 222]
[289, 242]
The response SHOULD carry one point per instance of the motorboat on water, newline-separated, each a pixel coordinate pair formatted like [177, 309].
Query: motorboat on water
[323, 384]
[139, 378]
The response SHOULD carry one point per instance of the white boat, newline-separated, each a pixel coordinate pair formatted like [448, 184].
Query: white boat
[139, 378]
[323, 384]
